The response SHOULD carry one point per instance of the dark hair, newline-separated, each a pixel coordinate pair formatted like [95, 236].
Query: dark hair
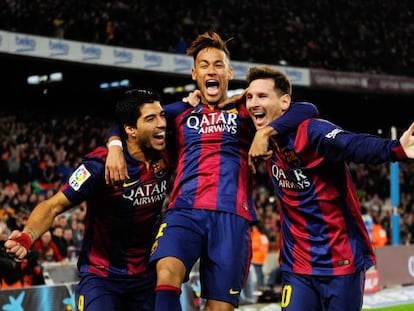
[282, 82]
[209, 39]
[128, 106]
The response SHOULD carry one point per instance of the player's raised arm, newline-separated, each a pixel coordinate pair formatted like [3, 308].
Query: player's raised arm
[407, 141]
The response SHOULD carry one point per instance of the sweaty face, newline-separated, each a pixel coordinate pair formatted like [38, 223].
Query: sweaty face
[212, 73]
[151, 125]
[263, 103]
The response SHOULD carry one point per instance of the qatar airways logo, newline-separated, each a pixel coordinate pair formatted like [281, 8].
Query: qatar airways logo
[147, 194]
[292, 179]
[213, 122]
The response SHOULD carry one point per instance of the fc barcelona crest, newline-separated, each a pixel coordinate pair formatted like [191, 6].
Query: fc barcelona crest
[159, 168]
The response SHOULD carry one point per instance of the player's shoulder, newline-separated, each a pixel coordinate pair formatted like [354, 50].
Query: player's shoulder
[98, 154]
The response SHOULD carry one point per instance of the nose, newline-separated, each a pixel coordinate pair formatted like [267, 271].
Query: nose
[251, 102]
[162, 122]
[212, 70]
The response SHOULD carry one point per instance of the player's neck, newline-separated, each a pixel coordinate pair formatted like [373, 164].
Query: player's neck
[142, 154]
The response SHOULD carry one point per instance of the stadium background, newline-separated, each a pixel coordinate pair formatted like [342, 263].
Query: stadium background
[79, 93]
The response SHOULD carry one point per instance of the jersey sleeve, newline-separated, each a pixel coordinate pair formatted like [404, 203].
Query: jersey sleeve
[337, 144]
[297, 113]
[174, 109]
[114, 131]
[85, 181]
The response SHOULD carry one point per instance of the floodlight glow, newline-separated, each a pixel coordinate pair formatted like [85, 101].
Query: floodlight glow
[189, 87]
[56, 77]
[124, 83]
[33, 80]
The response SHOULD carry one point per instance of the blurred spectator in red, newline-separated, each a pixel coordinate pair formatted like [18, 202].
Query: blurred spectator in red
[48, 250]
[57, 238]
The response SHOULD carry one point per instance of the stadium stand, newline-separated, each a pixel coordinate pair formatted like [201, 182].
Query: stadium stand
[356, 36]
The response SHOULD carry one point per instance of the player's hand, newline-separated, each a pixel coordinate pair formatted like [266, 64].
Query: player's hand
[18, 244]
[193, 98]
[231, 100]
[407, 141]
[259, 150]
[115, 166]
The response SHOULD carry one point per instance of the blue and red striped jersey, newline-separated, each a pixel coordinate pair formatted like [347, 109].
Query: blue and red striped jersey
[121, 221]
[212, 146]
[322, 230]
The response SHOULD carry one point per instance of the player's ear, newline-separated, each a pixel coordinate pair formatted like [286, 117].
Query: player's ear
[285, 101]
[230, 76]
[129, 129]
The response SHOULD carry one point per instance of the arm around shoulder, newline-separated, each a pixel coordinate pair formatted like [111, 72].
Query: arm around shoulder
[295, 115]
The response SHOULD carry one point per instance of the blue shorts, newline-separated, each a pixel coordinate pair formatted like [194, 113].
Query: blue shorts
[96, 293]
[329, 293]
[222, 242]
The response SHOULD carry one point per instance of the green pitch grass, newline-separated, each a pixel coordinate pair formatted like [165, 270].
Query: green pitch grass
[409, 307]
[258, 307]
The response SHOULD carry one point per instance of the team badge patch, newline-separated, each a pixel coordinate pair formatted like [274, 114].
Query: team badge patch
[79, 177]
[159, 168]
[293, 159]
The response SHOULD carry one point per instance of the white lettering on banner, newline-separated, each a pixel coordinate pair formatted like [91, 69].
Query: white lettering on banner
[25, 44]
[182, 64]
[148, 193]
[90, 52]
[213, 122]
[154, 60]
[239, 71]
[141, 59]
[58, 48]
[123, 56]
[294, 75]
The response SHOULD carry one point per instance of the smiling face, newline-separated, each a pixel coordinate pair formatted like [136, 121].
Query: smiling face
[149, 132]
[263, 103]
[212, 72]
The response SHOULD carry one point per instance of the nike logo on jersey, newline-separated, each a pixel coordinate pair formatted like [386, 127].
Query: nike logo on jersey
[129, 184]
[233, 292]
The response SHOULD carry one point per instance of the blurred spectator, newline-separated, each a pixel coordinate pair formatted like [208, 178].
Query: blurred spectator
[57, 238]
[71, 247]
[24, 273]
[368, 221]
[260, 248]
[379, 235]
[48, 250]
[18, 274]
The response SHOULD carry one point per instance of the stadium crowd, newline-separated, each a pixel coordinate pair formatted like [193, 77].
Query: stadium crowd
[357, 36]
